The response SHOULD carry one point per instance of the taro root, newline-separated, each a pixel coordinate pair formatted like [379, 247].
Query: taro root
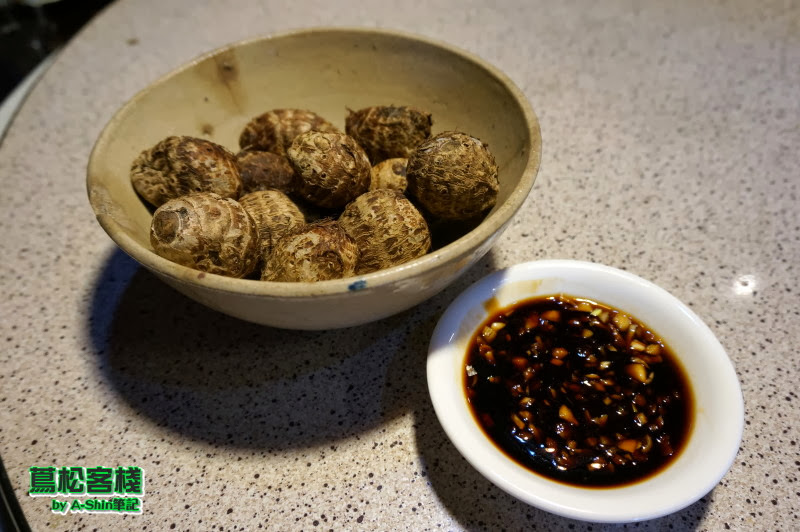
[275, 130]
[262, 170]
[206, 232]
[386, 131]
[332, 169]
[177, 166]
[390, 173]
[453, 176]
[388, 229]
[274, 214]
[315, 252]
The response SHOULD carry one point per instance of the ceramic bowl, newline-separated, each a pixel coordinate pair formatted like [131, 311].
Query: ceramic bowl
[326, 71]
[718, 409]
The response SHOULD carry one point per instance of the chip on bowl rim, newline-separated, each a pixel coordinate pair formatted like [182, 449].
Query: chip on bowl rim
[719, 410]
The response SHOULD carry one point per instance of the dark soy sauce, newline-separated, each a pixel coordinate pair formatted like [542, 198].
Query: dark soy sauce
[578, 392]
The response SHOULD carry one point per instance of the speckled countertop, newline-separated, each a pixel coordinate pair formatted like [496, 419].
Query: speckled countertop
[671, 137]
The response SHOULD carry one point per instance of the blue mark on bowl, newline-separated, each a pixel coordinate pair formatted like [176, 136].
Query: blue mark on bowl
[358, 285]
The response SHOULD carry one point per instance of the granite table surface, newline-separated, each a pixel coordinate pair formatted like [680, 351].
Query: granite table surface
[670, 149]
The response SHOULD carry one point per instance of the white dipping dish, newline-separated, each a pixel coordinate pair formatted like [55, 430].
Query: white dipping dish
[717, 398]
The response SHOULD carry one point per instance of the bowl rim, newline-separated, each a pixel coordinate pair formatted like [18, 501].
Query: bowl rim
[496, 220]
[445, 385]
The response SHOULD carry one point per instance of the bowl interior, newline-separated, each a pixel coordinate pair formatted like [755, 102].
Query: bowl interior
[326, 71]
[718, 408]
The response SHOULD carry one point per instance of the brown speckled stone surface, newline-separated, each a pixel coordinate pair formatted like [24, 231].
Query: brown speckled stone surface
[670, 149]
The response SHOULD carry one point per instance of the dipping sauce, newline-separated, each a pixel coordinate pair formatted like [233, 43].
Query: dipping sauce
[577, 391]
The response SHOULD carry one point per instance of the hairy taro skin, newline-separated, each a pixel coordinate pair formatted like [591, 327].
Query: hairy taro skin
[206, 232]
[390, 173]
[276, 129]
[387, 131]
[453, 176]
[387, 228]
[263, 170]
[315, 252]
[177, 166]
[274, 214]
[332, 169]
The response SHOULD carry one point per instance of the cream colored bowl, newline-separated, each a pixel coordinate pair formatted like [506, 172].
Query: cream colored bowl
[324, 70]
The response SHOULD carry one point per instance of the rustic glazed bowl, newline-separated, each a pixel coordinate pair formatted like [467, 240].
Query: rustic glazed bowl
[326, 71]
[714, 436]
